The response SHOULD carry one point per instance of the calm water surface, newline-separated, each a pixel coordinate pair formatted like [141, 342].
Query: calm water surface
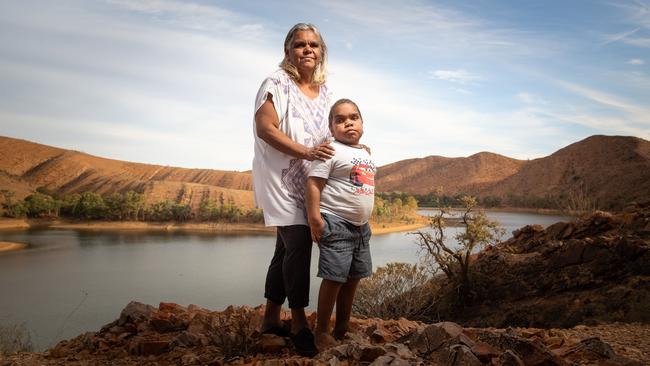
[68, 282]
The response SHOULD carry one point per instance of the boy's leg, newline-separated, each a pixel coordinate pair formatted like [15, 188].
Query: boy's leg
[327, 296]
[344, 307]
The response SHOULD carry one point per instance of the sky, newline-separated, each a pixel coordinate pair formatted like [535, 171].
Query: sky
[173, 82]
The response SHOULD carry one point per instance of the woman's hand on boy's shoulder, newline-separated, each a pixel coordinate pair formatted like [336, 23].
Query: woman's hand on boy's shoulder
[367, 148]
[320, 152]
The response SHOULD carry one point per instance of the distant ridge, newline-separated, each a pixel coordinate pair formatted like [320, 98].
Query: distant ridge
[25, 166]
[612, 170]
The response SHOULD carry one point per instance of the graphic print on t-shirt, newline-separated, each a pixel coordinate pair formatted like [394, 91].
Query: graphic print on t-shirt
[362, 176]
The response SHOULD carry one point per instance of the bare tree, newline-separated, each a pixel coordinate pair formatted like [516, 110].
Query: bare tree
[455, 260]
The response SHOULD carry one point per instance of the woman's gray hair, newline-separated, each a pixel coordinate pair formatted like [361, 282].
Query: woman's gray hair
[320, 72]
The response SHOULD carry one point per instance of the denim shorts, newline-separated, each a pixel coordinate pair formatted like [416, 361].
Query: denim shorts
[344, 250]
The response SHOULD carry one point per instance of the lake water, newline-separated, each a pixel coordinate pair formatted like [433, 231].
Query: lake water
[68, 282]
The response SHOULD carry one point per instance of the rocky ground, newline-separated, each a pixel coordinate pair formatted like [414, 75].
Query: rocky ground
[590, 271]
[573, 294]
[175, 335]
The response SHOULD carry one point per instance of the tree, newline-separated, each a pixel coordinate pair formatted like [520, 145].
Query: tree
[90, 206]
[134, 205]
[11, 208]
[181, 212]
[115, 206]
[69, 205]
[455, 262]
[41, 205]
[161, 211]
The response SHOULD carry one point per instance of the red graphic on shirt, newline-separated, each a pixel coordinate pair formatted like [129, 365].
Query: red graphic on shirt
[362, 174]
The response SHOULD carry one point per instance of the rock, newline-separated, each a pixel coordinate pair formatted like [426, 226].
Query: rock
[369, 354]
[400, 350]
[378, 334]
[134, 312]
[431, 338]
[190, 359]
[509, 358]
[484, 352]
[166, 322]
[270, 343]
[596, 351]
[187, 339]
[200, 324]
[389, 360]
[461, 355]
[341, 351]
[170, 307]
[146, 347]
[530, 352]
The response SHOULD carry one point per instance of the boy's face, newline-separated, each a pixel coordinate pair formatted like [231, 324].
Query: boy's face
[347, 126]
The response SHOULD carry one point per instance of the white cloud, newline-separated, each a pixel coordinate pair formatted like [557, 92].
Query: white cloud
[529, 98]
[635, 61]
[624, 116]
[455, 76]
[619, 36]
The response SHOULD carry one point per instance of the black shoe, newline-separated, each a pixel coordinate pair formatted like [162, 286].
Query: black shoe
[303, 341]
[278, 331]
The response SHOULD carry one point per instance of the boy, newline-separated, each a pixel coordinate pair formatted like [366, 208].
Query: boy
[340, 195]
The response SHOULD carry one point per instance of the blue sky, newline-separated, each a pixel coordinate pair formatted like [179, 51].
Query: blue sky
[173, 82]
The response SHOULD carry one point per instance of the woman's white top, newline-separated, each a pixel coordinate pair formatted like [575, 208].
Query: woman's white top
[278, 178]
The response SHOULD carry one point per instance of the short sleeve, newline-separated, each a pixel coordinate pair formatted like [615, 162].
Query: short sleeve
[321, 169]
[272, 85]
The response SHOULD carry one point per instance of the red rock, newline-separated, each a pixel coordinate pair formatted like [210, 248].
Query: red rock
[509, 358]
[270, 343]
[134, 312]
[461, 355]
[170, 307]
[369, 354]
[152, 347]
[484, 351]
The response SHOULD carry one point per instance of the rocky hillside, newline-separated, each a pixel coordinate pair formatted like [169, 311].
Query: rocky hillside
[609, 170]
[25, 166]
[471, 174]
[175, 335]
[593, 270]
[613, 170]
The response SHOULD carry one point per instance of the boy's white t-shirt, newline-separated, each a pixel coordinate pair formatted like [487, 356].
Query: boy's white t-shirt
[279, 179]
[350, 189]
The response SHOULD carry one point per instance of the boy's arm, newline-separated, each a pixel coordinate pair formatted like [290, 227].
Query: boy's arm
[312, 199]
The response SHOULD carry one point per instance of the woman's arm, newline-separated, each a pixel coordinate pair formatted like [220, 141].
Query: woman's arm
[312, 202]
[267, 126]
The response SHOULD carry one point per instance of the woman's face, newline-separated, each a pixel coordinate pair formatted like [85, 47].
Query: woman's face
[305, 51]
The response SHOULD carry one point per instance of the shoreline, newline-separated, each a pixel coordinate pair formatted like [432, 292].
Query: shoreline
[7, 246]
[539, 211]
[213, 227]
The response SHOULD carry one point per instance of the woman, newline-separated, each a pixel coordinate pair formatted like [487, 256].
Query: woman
[291, 129]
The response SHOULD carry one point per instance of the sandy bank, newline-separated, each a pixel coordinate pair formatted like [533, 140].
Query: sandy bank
[13, 224]
[6, 246]
[164, 226]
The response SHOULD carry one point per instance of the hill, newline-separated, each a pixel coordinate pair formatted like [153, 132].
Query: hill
[26, 166]
[609, 171]
[469, 174]
[603, 171]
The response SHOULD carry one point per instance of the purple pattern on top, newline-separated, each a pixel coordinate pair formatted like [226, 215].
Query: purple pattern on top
[313, 114]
